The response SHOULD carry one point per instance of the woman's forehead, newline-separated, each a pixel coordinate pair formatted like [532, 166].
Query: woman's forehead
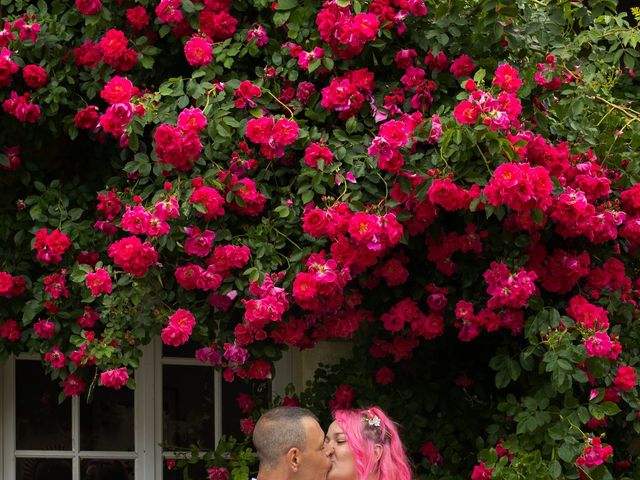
[335, 429]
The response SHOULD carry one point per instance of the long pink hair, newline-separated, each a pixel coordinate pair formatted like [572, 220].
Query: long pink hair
[366, 428]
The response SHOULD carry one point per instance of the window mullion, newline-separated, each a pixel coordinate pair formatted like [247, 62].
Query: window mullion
[75, 436]
[9, 421]
[157, 367]
[217, 407]
[2, 416]
[145, 435]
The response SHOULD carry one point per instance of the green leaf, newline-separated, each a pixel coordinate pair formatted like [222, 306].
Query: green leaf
[479, 75]
[314, 64]
[577, 106]
[147, 62]
[75, 213]
[327, 62]
[307, 196]
[232, 122]
[610, 408]
[537, 215]
[351, 125]
[597, 411]
[583, 414]
[502, 378]
[222, 130]
[280, 18]
[568, 452]
[30, 310]
[287, 4]
[282, 211]
[555, 469]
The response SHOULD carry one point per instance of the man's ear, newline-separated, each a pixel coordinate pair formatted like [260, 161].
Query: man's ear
[293, 459]
[377, 450]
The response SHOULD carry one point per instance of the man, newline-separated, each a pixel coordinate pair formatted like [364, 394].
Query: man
[290, 445]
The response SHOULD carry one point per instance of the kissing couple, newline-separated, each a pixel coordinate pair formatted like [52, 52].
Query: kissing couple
[359, 445]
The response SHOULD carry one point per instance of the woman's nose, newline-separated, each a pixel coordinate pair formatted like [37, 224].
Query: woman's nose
[328, 449]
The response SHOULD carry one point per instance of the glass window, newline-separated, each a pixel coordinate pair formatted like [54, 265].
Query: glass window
[43, 469]
[197, 470]
[188, 405]
[75, 429]
[41, 423]
[106, 469]
[107, 421]
[182, 402]
[230, 407]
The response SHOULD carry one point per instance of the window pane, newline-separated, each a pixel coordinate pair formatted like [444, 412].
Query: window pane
[103, 469]
[43, 468]
[41, 424]
[107, 423]
[196, 471]
[260, 391]
[187, 405]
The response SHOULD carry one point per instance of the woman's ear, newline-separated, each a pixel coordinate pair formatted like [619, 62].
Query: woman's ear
[377, 450]
[293, 459]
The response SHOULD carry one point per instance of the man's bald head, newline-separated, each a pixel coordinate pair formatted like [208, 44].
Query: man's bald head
[279, 430]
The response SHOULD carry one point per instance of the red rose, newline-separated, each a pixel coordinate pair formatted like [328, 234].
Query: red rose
[384, 376]
[35, 76]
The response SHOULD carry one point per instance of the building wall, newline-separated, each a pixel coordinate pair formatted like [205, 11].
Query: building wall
[309, 360]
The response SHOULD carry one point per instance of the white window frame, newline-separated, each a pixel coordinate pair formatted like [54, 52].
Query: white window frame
[158, 363]
[3, 392]
[75, 454]
[148, 429]
[284, 367]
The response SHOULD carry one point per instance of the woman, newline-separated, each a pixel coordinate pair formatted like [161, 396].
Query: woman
[364, 445]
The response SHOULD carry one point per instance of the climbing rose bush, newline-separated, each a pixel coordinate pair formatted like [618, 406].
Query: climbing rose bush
[451, 187]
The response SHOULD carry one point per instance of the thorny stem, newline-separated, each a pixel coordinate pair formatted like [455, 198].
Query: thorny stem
[92, 385]
[344, 191]
[286, 259]
[573, 425]
[442, 157]
[605, 116]
[291, 115]
[628, 112]
[627, 124]
[485, 160]
[604, 159]
[210, 92]
[386, 191]
[287, 237]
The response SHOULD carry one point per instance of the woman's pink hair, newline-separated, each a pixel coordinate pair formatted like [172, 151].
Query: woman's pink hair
[362, 431]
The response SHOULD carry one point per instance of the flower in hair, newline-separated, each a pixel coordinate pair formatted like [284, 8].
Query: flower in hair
[372, 419]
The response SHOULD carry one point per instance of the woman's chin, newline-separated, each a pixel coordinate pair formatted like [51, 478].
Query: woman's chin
[337, 475]
[332, 474]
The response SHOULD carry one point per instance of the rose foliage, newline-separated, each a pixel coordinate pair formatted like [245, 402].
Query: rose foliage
[449, 185]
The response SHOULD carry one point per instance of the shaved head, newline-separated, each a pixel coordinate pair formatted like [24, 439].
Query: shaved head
[279, 430]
